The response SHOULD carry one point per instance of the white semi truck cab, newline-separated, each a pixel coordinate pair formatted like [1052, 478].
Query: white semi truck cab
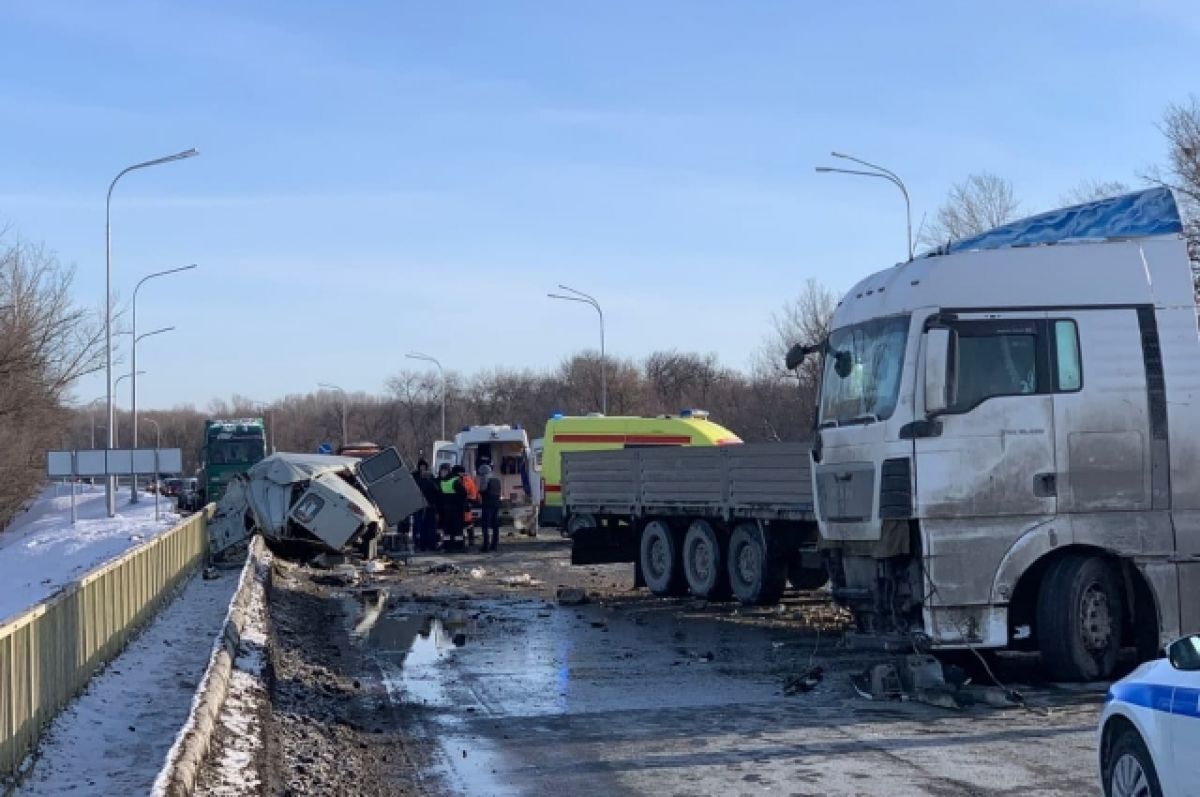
[1007, 450]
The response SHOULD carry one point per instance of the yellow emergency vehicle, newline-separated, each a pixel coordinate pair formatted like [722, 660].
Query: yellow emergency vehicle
[602, 433]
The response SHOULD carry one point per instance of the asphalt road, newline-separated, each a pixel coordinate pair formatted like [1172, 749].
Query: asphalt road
[509, 693]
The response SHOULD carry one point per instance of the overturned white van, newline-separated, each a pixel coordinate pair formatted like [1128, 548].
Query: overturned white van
[310, 502]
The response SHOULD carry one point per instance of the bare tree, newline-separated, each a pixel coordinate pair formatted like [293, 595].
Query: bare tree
[46, 343]
[975, 205]
[1181, 127]
[1091, 191]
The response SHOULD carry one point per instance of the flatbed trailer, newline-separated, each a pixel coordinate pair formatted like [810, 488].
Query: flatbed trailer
[734, 520]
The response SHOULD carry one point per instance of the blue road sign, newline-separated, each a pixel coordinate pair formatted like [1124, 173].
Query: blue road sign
[325, 448]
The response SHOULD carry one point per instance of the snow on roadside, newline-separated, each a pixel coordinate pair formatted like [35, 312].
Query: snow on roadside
[41, 551]
[232, 768]
[113, 738]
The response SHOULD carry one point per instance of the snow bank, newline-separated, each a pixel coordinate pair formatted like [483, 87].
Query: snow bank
[112, 739]
[41, 551]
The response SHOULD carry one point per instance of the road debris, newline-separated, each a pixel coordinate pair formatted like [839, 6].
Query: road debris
[571, 596]
[803, 682]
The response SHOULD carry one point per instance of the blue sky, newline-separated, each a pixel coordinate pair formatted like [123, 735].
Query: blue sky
[419, 175]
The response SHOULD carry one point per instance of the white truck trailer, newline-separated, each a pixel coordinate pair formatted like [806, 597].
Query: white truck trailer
[1007, 451]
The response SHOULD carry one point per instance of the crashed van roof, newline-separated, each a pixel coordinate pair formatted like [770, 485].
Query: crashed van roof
[290, 468]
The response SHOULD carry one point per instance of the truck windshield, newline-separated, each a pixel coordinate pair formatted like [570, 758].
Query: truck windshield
[862, 371]
[235, 452]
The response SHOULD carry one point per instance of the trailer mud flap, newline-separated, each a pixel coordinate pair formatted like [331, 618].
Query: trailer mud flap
[600, 546]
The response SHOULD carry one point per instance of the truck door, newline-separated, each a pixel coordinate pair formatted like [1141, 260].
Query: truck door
[991, 453]
[1102, 415]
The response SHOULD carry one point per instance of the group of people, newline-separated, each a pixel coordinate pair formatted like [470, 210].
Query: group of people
[447, 521]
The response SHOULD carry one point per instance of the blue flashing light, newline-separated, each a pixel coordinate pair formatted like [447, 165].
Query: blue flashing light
[685, 413]
[558, 416]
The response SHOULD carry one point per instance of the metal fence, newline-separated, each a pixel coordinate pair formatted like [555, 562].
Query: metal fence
[48, 653]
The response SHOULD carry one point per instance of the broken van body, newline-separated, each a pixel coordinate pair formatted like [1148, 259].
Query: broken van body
[315, 502]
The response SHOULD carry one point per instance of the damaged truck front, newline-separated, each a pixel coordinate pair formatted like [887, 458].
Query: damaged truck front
[308, 503]
[1006, 452]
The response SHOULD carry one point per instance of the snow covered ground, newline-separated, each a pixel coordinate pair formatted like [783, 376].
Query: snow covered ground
[41, 551]
[114, 737]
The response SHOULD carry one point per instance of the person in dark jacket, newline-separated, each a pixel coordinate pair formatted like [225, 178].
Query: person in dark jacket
[489, 502]
[424, 522]
[453, 505]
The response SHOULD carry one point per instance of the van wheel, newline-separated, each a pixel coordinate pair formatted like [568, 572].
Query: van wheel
[662, 567]
[755, 577]
[806, 579]
[704, 562]
[1079, 613]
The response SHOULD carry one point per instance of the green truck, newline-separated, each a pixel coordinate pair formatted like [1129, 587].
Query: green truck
[230, 448]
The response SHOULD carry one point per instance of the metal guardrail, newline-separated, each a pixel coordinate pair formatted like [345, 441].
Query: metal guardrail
[48, 653]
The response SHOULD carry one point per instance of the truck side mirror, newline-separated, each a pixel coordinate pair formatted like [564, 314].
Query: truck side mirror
[1184, 654]
[940, 377]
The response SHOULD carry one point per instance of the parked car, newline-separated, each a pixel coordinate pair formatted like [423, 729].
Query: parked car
[1150, 727]
[188, 497]
[170, 487]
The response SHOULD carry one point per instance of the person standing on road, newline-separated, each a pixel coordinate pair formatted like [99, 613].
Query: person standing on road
[454, 504]
[489, 511]
[424, 521]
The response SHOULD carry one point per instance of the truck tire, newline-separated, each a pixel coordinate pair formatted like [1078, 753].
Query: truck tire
[704, 562]
[806, 579]
[660, 560]
[1079, 612]
[756, 577]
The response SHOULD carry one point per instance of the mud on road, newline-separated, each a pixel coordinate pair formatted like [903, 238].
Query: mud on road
[462, 674]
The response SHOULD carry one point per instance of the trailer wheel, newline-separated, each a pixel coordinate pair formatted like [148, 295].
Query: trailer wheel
[806, 579]
[1079, 619]
[756, 577]
[704, 562]
[662, 567]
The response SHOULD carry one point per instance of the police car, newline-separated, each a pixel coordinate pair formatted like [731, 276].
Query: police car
[1150, 728]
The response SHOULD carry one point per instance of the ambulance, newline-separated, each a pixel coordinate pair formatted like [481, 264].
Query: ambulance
[596, 432]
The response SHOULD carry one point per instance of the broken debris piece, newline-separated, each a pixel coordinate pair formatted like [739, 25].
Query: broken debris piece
[571, 596]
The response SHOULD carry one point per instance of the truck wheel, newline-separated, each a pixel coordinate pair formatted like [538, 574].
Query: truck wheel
[756, 578]
[1079, 619]
[660, 559]
[806, 579]
[704, 562]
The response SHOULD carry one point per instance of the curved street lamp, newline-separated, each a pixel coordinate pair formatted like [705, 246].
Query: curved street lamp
[583, 298]
[416, 355]
[881, 173]
[110, 483]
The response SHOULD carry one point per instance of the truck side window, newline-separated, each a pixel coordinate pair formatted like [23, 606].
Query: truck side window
[998, 358]
[1068, 370]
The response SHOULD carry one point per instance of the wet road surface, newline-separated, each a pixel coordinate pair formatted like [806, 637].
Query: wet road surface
[525, 697]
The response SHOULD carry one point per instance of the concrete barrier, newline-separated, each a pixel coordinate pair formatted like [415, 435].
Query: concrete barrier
[178, 775]
[48, 653]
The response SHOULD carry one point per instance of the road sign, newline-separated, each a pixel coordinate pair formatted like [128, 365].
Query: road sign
[113, 462]
[325, 448]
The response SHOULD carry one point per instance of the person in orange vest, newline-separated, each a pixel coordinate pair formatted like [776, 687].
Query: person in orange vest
[472, 495]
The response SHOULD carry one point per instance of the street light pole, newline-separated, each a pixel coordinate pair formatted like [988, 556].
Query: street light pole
[883, 174]
[345, 439]
[133, 386]
[157, 446]
[133, 364]
[416, 355]
[113, 434]
[583, 298]
[92, 417]
[110, 482]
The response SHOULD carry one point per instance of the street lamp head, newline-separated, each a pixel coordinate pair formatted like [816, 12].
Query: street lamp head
[824, 169]
[839, 155]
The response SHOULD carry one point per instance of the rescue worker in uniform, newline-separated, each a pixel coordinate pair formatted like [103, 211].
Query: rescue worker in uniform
[453, 505]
